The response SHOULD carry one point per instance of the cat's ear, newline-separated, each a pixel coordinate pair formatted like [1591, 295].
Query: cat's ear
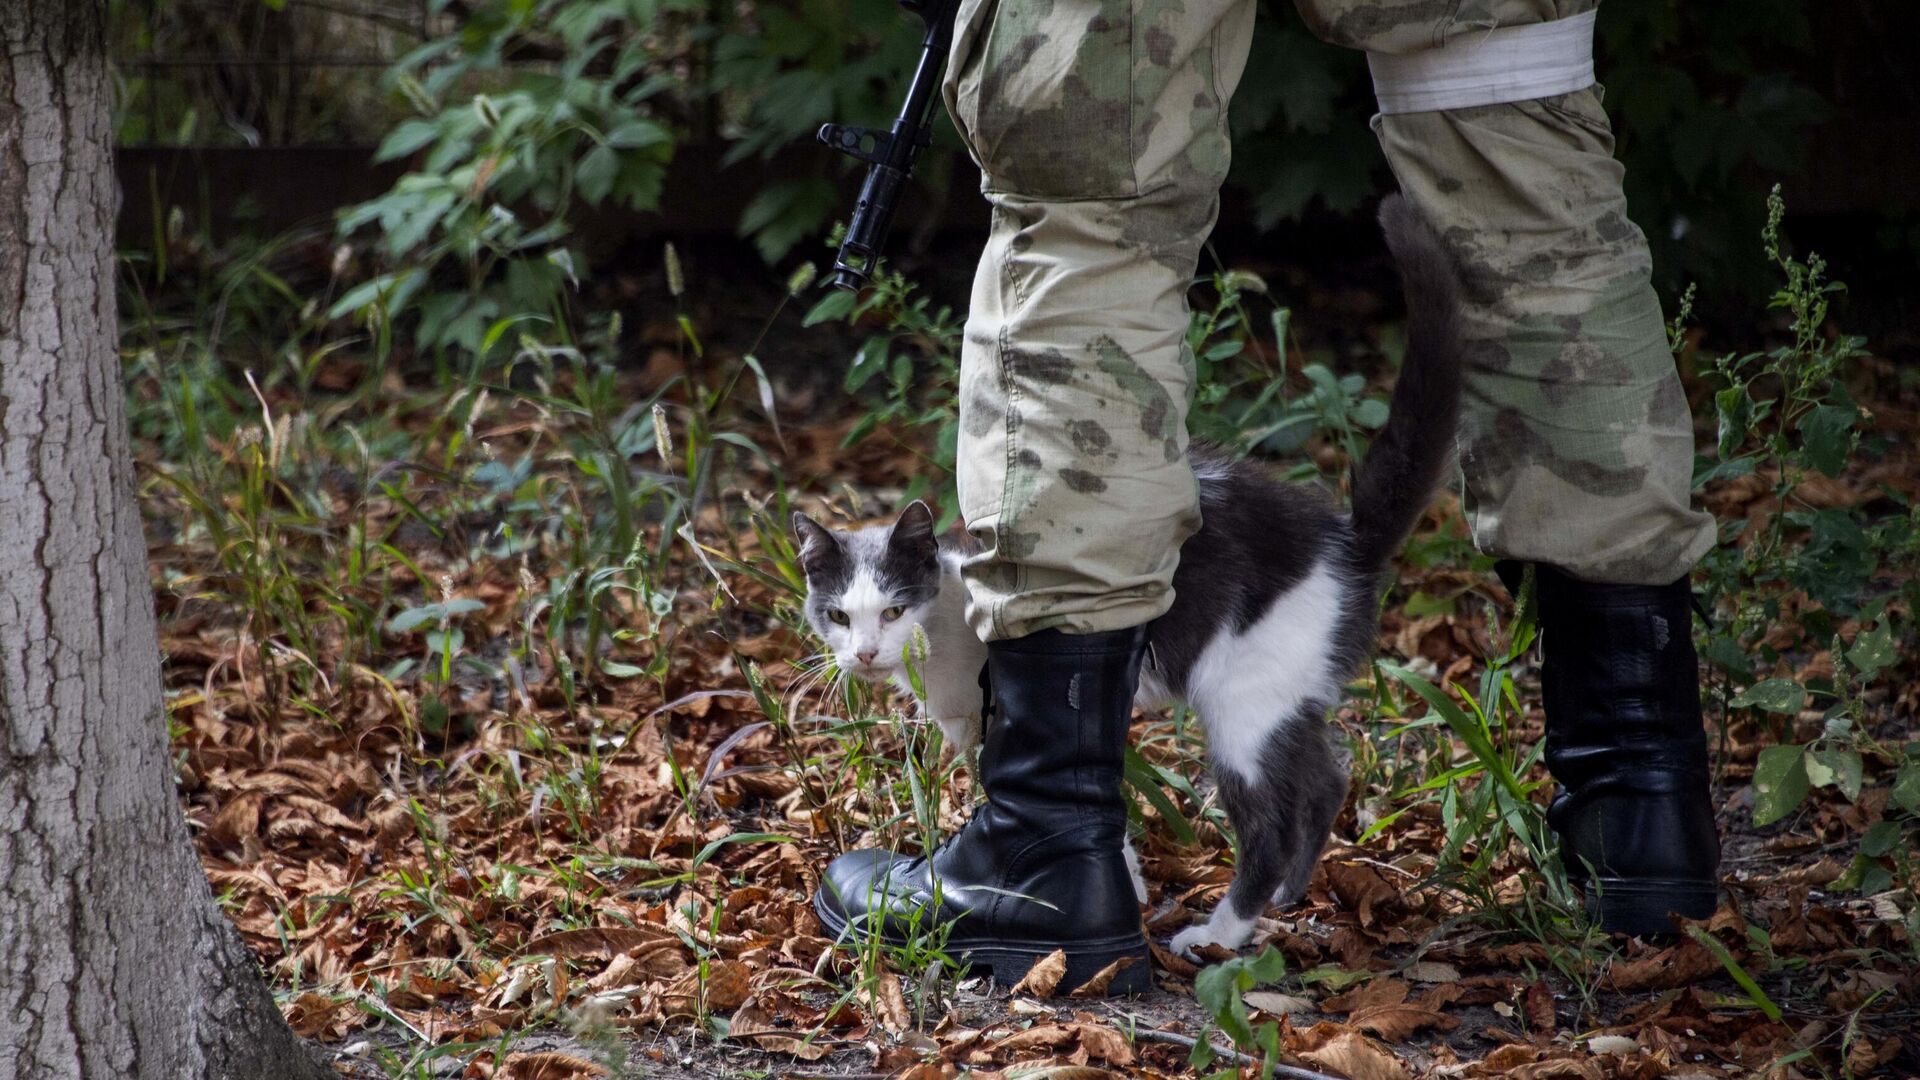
[913, 530]
[817, 544]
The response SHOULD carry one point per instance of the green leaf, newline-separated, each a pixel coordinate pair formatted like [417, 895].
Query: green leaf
[1873, 650]
[1838, 768]
[414, 618]
[445, 642]
[1726, 654]
[1880, 839]
[1779, 783]
[713, 848]
[1906, 787]
[1336, 978]
[1141, 776]
[1370, 414]
[596, 174]
[834, 306]
[1827, 434]
[405, 139]
[1735, 409]
[1774, 695]
[1422, 604]
[388, 290]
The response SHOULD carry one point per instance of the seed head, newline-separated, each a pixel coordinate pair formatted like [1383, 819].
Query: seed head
[676, 279]
[662, 438]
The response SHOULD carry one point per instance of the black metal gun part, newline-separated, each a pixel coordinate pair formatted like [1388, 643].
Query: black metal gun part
[890, 154]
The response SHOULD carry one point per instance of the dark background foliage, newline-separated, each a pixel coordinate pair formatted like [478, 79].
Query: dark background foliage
[1713, 102]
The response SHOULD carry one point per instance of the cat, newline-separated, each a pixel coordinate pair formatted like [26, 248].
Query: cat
[1275, 606]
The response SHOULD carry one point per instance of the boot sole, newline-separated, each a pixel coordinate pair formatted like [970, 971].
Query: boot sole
[1645, 908]
[1009, 961]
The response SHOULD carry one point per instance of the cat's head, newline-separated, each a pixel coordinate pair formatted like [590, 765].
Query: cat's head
[868, 588]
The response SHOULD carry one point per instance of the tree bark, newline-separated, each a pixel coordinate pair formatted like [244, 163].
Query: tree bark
[114, 961]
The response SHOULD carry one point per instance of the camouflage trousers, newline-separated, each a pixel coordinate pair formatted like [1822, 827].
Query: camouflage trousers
[1100, 130]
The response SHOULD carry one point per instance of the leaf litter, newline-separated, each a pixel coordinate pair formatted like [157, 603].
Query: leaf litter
[552, 881]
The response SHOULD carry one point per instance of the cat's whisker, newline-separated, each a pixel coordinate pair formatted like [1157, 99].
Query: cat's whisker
[810, 678]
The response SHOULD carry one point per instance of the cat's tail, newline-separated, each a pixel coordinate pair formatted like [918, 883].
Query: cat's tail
[1410, 455]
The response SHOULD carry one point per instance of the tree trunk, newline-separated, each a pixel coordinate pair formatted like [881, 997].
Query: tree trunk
[114, 961]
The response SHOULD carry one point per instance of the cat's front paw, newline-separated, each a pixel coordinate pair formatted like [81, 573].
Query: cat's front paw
[1224, 929]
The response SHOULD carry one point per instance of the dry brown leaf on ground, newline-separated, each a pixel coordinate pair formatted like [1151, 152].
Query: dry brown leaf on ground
[1362, 889]
[725, 987]
[596, 941]
[1171, 962]
[1104, 1043]
[548, 1066]
[750, 1022]
[1539, 1005]
[886, 1003]
[1397, 1023]
[1560, 1068]
[1043, 978]
[1039, 1036]
[1371, 994]
[1355, 1056]
[1274, 1003]
[1670, 968]
[317, 1016]
[1432, 971]
[1096, 987]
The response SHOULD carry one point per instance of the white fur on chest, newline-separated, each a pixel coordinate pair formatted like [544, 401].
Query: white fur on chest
[1246, 684]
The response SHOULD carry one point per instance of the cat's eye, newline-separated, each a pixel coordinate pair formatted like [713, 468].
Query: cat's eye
[838, 617]
[893, 613]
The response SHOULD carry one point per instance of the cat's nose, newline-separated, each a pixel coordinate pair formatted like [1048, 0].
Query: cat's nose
[866, 656]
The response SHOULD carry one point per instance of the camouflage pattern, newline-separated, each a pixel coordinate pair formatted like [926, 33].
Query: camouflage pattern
[1404, 26]
[1100, 128]
[1576, 444]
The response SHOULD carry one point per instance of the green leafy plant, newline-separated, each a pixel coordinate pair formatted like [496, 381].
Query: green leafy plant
[1220, 989]
[1786, 416]
[503, 170]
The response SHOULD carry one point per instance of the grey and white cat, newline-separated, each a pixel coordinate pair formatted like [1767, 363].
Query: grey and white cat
[1275, 606]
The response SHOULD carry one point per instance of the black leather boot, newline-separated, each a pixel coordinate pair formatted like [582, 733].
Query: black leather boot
[1625, 742]
[1038, 867]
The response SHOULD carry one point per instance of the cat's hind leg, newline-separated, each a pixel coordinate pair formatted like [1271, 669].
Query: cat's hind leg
[1282, 814]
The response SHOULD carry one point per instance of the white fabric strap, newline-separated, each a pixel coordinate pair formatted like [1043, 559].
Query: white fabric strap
[1511, 63]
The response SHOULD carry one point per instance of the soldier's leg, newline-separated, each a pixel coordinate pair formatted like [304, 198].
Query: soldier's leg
[1576, 444]
[1100, 127]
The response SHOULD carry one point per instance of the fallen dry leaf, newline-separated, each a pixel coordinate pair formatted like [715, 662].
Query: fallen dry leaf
[1357, 1057]
[751, 1023]
[1044, 976]
[596, 941]
[1096, 987]
[887, 1003]
[1397, 1023]
[1432, 971]
[1038, 1036]
[1105, 1043]
[1274, 1003]
[1540, 1008]
[548, 1066]
[1560, 1068]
